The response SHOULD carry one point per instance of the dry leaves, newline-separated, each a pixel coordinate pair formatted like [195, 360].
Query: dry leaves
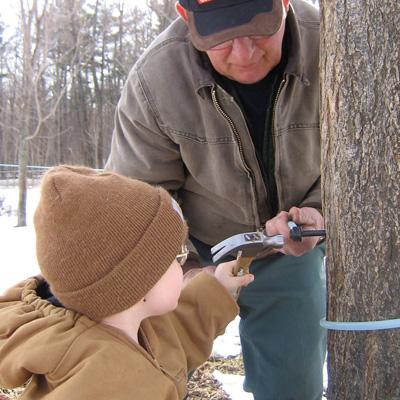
[203, 385]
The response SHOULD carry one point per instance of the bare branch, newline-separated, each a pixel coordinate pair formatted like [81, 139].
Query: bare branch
[6, 126]
[42, 119]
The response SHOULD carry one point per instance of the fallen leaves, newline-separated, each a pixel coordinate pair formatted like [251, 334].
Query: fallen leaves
[203, 385]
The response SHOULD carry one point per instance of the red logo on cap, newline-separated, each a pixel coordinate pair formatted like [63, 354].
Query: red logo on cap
[204, 1]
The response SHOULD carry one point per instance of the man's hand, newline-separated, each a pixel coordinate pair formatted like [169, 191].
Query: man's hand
[224, 275]
[308, 218]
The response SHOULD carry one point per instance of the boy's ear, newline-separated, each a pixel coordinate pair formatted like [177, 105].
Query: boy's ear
[181, 11]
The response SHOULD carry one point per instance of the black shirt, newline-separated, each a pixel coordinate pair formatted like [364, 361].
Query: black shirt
[257, 103]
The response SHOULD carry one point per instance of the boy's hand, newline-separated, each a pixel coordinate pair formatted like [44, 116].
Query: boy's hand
[187, 276]
[224, 275]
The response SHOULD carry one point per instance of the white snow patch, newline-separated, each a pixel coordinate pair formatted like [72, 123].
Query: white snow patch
[228, 344]
[232, 385]
[17, 245]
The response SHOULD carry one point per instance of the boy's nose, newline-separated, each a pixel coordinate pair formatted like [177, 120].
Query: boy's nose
[243, 48]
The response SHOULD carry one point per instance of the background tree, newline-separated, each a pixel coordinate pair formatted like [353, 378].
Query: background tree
[91, 47]
[164, 11]
[34, 112]
[3, 99]
[360, 57]
[61, 74]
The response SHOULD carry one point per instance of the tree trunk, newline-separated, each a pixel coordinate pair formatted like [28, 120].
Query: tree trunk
[22, 181]
[26, 117]
[361, 192]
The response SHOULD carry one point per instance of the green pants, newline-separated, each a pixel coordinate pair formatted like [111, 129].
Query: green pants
[282, 342]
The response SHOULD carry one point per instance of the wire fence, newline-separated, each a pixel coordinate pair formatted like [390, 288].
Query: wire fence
[9, 174]
[9, 185]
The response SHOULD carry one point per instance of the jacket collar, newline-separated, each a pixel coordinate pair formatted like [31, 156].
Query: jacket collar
[295, 64]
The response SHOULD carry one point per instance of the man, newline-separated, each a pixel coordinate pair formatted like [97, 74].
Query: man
[223, 111]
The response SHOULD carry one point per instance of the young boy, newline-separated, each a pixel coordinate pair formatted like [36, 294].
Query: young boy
[109, 319]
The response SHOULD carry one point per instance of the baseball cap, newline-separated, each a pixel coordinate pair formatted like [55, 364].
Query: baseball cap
[212, 22]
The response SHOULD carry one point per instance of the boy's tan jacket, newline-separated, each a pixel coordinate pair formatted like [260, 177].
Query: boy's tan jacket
[68, 356]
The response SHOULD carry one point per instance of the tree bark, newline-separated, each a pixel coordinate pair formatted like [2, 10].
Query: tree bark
[27, 17]
[360, 124]
[22, 182]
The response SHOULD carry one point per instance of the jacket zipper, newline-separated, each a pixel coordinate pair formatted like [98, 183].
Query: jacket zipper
[234, 130]
[150, 353]
[237, 137]
[282, 83]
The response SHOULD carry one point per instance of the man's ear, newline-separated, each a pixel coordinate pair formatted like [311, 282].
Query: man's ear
[286, 4]
[181, 11]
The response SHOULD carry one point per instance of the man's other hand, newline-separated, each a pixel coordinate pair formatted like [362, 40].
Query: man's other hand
[306, 217]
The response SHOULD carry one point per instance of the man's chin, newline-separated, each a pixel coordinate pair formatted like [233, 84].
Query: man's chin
[247, 77]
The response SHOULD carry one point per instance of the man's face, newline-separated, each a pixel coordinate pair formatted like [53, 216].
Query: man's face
[248, 60]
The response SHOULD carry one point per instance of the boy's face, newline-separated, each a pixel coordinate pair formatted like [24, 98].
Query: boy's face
[163, 297]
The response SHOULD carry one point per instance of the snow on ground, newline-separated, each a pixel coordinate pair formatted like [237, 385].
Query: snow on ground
[17, 245]
[232, 385]
[18, 262]
[228, 345]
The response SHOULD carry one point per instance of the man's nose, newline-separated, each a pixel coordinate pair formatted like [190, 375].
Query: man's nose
[243, 48]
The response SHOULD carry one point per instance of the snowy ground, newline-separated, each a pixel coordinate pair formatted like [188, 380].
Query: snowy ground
[18, 261]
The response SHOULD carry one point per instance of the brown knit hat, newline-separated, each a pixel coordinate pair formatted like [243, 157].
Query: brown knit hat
[104, 240]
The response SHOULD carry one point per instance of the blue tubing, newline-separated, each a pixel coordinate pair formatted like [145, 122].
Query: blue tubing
[360, 326]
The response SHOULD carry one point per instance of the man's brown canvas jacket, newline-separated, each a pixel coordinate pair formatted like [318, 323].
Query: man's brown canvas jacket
[65, 355]
[177, 128]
